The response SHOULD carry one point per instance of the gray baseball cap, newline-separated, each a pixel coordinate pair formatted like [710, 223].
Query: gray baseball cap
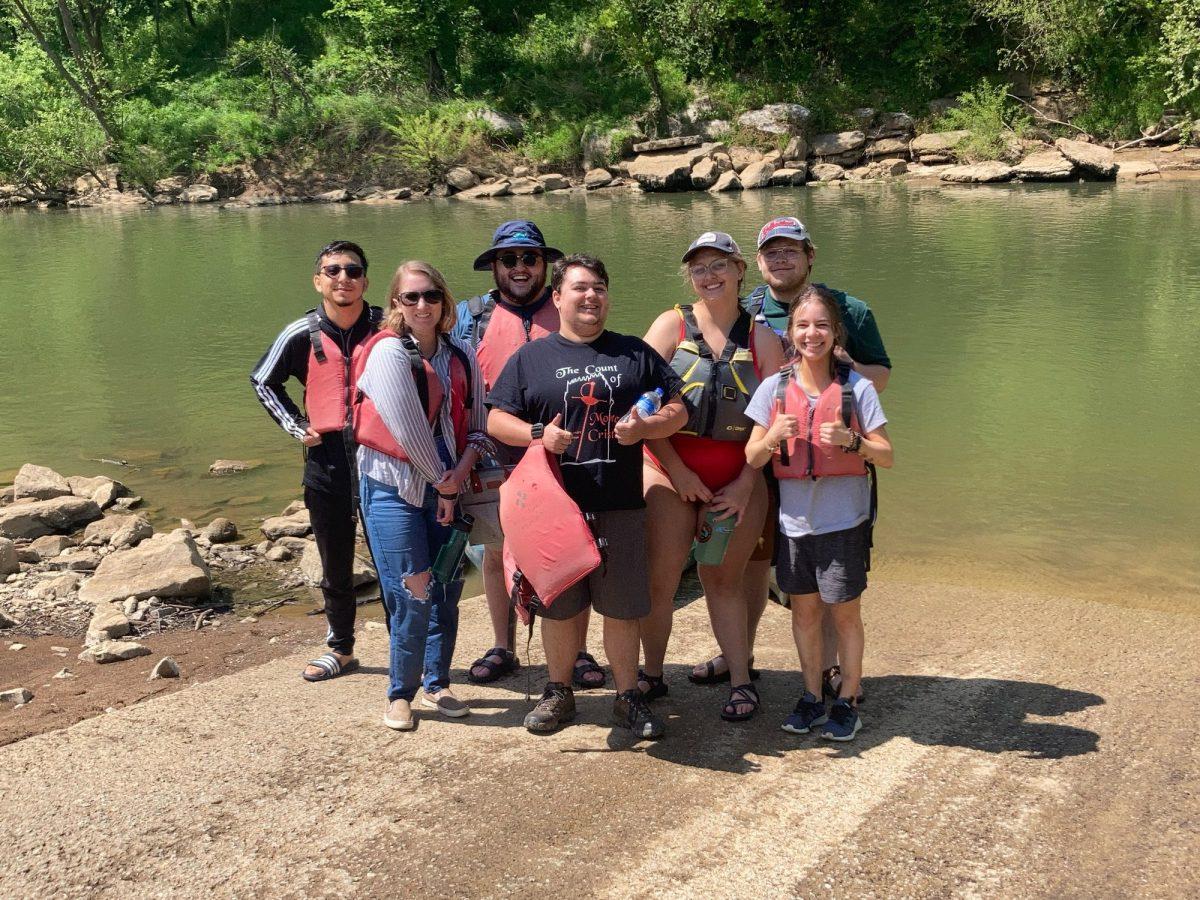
[716, 240]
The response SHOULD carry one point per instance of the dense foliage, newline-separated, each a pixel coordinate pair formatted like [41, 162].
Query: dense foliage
[375, 88]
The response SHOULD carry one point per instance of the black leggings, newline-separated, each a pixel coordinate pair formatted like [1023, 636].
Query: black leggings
[332, 516]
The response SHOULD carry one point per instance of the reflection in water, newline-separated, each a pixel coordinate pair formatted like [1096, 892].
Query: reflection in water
[1040, 335]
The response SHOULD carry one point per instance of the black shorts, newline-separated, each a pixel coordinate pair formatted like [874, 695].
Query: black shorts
[833, 565]
[620, 587]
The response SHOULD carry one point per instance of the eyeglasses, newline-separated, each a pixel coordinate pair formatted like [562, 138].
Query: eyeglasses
[717, 267]
[783, 255]
[528, 259]
[411, 298]
[353, 272]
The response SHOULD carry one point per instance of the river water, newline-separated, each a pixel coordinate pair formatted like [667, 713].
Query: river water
[1044, 339]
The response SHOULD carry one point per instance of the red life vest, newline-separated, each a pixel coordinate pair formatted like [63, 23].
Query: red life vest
[328, 386]
[504, 331]
[807, 457]
[369, 428]
[548, 544]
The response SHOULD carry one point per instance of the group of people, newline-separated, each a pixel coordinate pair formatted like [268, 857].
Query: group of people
[767, 435]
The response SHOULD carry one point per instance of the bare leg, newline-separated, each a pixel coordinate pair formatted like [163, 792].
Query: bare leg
[560, 642]
[756, 585]
[723, 588]
[851, 638]
[829, 658]
[807, 613]
[499, 603]
[621, 639]
[671, 525]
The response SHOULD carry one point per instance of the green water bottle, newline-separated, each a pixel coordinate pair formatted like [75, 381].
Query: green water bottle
[450, 557]
[712, 538]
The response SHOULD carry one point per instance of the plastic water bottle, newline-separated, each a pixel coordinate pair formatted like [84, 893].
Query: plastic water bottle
[647, 404]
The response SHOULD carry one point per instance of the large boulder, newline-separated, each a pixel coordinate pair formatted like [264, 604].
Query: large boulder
[728, 181]
[838, 143]
[826, 172]
[101, 488]
[460, 178]
[295, 524]
[978, 173]
[9, 561]
[776, 118]
[198, 193]
[167, 565]
[61, 515]
[665, 171]
[888, 148]
[1096, 161]
[937, 146]
[500, 188]
[756, 175]
[498, 123]
[117, 531]
[1132, 169]
[704, 174]
[51, 545]
[1044, 165]
[107, 622]
[114, 651]
[221, 531]
[40, 483]
[597, 178]
[312, 572]
[523, 187]
[553, 181]
[671, 143]
[893, 124]
[790, 176]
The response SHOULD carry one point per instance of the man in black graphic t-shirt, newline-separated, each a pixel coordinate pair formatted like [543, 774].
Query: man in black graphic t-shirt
[570, 389]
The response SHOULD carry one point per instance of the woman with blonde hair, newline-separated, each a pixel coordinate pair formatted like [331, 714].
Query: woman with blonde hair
[700, 474]
[420, 425]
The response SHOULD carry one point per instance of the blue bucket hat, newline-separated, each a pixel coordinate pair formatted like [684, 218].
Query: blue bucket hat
[517, 233]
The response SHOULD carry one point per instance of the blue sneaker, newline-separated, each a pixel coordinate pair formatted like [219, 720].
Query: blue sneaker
[843, 722]
[809, 713]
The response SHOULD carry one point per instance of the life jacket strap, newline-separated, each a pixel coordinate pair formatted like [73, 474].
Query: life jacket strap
[481, 309]
[781, 389]
[314, 335]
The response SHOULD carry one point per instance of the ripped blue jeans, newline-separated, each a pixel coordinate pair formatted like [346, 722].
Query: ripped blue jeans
[423, 623]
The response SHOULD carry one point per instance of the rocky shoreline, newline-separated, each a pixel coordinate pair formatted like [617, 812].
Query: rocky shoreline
[78, 561]
[885, 147]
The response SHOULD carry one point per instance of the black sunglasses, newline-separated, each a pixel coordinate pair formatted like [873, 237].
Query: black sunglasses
[529, 259]
[352, 271]
[411, 298]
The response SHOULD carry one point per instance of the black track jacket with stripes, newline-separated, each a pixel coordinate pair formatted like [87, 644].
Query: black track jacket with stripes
[327, 465]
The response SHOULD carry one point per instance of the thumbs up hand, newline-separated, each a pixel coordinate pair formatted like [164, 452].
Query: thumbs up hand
[785, 427]
[555, 438]
[835, 434]
[629, 430]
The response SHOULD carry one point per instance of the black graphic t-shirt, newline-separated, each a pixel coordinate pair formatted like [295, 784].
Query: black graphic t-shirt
[592, 386]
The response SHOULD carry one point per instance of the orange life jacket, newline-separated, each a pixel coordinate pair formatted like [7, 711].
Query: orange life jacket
[804, 456]
[369, 428]
[548, 544]
[329, 384]
[499, 332]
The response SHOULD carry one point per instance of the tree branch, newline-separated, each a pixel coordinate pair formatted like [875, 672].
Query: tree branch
[1045, 118]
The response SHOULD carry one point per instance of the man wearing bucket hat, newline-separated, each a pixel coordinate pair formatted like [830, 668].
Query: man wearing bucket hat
[785, 260]
[516, 311]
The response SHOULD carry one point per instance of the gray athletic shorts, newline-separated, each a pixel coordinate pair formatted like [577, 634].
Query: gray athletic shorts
[620, 587]
[833, 565]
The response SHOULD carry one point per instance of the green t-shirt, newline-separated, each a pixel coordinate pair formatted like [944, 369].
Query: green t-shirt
[863, 341]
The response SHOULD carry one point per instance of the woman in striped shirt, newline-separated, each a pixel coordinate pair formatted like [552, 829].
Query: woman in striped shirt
[421, 427]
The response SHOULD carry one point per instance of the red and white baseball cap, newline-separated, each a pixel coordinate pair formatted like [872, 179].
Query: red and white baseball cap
[784, 227]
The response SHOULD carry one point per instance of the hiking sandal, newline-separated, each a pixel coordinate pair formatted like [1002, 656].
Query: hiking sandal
[742, 695]
[712, 676]
[495, 670]
[831, 690]
[585, 665]
[657, 686]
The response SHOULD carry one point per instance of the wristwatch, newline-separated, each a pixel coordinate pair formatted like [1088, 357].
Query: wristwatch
[536, 431]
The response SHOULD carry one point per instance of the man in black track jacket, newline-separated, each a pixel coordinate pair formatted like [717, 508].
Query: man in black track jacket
[343, 318]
